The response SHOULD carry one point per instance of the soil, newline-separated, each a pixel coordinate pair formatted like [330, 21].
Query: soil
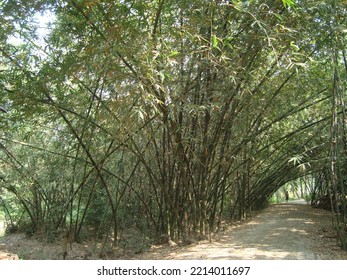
[285, 231]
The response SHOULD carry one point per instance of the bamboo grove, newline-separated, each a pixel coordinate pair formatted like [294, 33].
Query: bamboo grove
[165, 118]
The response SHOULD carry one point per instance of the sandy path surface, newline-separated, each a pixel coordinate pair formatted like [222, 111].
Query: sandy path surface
[291, 231]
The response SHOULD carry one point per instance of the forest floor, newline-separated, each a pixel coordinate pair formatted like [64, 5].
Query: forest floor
[291, 230]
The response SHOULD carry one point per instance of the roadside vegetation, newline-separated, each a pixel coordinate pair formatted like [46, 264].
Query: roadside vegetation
[131, 123]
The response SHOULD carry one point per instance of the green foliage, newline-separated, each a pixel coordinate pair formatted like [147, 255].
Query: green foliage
[163, 117]
[288, 3]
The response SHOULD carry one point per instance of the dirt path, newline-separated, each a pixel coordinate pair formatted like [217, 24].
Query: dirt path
[283, 231]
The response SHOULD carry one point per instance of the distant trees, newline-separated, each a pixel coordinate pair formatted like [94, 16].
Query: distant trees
[166, 117]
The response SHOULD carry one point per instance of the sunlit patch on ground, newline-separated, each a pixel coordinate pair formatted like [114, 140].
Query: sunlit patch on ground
[2, 228]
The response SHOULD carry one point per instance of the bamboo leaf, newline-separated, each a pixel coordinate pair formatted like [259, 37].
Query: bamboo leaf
[288, 3]
[173, 54]
[215, 41]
